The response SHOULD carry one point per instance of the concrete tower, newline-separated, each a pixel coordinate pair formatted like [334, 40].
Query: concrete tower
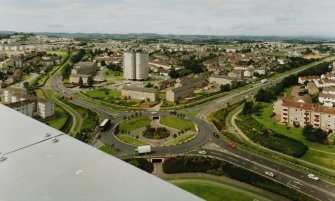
[129, 70]
[136, 66]
[142, 66]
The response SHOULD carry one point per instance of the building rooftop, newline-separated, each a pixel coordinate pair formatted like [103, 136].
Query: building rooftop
[149, 90]
[37, 168]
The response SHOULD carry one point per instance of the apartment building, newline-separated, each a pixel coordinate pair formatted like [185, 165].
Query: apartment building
[298, 114]
[27, 104]
[138, 93]
[136, 65]
[174, 94]
[82, 70]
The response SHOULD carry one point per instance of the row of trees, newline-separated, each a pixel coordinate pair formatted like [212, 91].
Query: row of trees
[294, 62]
[233, 85]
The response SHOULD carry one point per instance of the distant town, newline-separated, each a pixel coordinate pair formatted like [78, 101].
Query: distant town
[261, 108]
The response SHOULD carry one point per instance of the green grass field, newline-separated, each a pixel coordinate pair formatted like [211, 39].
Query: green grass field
[177, 123]
[107, 150]
[131, 140]
[212, 192]
[60, 119]
[112, 74]
[58, 52]
[103, 93]
[134, 124]
[321, 154]
[180, 139]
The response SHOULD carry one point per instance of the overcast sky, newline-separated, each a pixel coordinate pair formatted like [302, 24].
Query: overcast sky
[213, 17]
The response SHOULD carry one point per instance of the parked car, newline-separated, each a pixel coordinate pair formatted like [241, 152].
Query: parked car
[216, 135]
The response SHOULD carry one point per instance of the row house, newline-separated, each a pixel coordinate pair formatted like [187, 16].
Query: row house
[303, 79]
[324, 83]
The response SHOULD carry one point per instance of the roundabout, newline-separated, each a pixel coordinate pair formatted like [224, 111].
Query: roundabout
[155, 129]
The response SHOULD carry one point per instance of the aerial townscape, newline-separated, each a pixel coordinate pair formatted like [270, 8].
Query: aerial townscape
[222, 116]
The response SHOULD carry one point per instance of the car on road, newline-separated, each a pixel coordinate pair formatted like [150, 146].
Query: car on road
[312, 176]
[271, 174]
[153, 112]
[203, 152]
[63, 91]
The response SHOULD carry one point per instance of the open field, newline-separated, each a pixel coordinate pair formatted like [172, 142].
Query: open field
[177, 123]
[103, 93]
[216, 191]
[58, 52]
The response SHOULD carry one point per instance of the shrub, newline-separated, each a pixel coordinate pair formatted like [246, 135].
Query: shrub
[141, 163]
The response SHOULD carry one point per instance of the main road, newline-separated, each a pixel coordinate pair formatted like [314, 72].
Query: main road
[294, 179]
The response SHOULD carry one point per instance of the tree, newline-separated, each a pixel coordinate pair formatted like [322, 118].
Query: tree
[26, 85]
[81, 83]
[66, 71]
[224, 87]
[314, 134]
[174, 74]
[247, 108]
[90, 81]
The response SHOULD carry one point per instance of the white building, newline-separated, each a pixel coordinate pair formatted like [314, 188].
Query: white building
[142, 66]
[129, 70]
[136, 66]
[45, 108]
[27, 104]
[26, 107]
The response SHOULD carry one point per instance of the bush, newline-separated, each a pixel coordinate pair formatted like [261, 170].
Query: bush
[141, 163]
[156, 133]
[267, 138]
[219, 117]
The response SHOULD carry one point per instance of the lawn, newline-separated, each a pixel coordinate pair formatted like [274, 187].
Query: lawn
[212, 192]
[107, 150]
[133, 124]
[60, 119]
[58, 52]
[180, 139]
[194, 112]
[177, 123]
[103, 93]
[112, 74]
[323, 159]
[288, 92]
[314, 155]
[131, 140]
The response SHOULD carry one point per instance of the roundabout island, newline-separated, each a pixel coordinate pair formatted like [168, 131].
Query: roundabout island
[157, 130]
